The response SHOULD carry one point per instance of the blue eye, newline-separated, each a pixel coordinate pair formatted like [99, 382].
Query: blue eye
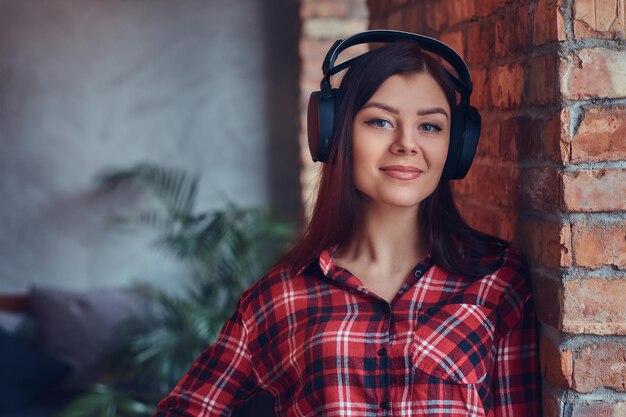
[382, 123]
[430, 127]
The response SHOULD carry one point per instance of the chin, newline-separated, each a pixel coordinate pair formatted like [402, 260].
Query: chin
[410, 197]
[407, 201]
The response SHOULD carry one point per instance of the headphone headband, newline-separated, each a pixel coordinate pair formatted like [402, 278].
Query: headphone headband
[463, 79]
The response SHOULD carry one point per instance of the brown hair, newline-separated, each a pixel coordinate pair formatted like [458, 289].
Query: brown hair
[338, 211]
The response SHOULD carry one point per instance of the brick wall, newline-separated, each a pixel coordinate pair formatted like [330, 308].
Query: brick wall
[323, 22]
[550, 81]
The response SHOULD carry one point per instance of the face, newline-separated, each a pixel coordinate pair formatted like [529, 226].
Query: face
[400, 141]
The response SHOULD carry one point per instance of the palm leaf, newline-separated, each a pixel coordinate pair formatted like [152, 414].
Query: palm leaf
[228, 248]
[174, 187]
[105, 401]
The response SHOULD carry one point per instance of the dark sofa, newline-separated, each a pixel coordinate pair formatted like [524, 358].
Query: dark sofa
[51, 342]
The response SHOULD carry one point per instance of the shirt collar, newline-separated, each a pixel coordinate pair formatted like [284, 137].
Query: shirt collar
[326, 259]
[336, 273]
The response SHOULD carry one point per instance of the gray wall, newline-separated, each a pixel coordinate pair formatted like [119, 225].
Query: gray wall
[88, 85]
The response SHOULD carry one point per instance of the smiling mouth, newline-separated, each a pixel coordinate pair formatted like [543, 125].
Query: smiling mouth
[402, 172]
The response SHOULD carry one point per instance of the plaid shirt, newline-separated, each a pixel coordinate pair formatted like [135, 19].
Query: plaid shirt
[323, 345]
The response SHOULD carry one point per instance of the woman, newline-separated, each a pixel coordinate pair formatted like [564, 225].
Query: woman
[389, 304]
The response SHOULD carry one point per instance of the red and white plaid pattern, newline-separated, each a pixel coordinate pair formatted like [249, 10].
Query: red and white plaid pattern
[323, 345]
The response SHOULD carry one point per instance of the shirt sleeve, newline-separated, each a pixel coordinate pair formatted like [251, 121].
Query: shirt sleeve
[219, 380]
[517, 377]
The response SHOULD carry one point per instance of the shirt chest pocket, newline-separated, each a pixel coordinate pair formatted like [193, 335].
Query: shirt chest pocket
[455, 342]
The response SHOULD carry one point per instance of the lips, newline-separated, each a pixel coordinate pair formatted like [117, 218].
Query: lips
[402, 172]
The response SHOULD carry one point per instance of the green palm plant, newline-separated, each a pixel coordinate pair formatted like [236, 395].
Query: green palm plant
[228, 249]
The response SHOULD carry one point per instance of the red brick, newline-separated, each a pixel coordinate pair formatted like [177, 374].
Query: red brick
[543, 81]
[507, 226]
[376, 24]
[600, 365]
[556, 137]
[489, 144]
[546, 243]
[332, 28]
[556, 245]
[512, 31]
[599, 19]
[473, 178]
[458, 10]
[395, 20]
[323, 8]
[480, 216]
[594, 73]
[415, 20]
[480, 95]
[506, 86]
[550, 406]
[596, 243]
[598, 409]
[481, 39]
[601, 136]
[306, 87]
[540, 188]
[509, 138]
[502, 181]
[556, 365]
[422, 18]
[487, 7]
[529, 238]
[375, 8]
[439, 15]
[314, 49]
[466, 187]
[548, 297]
[548, 22]
[311, 68]
[521, 136]
[595, 306]
[594, 190]
[455, 41]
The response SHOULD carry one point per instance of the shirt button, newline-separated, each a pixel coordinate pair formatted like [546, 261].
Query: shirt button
[418, 273]
[385, 405]
[382, 352]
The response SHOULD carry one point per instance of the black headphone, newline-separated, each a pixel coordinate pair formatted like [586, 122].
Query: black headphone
[465, 122]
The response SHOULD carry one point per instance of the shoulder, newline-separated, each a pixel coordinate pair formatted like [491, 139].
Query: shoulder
[505, 277]
[263, 291]
[513, 277]
[507, 266]
[512, 264]
[269, 294]
[513, 273]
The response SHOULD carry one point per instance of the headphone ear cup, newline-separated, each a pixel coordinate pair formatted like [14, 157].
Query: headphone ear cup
[464, 134]
[313, 125]
[456, 143]
[472, 122]
[320, 121]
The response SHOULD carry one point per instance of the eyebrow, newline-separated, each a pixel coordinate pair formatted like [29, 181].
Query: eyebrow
[422, 112]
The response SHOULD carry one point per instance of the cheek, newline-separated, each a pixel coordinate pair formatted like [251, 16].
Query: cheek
[365, 153]
[360, 166]
[438, 154]
[364, 163]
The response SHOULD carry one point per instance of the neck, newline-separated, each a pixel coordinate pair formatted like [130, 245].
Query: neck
[390, 236]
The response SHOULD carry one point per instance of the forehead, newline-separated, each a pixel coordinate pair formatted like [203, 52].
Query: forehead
[411, 91]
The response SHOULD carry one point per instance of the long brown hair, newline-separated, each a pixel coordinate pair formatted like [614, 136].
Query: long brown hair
[338, 211]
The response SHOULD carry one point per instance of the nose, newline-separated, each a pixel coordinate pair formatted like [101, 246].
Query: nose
[404, 143]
